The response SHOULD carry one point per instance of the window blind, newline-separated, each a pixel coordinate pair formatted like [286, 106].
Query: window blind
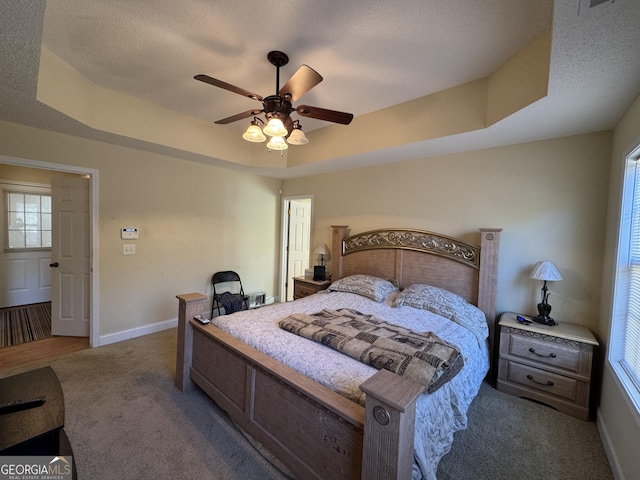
[631, 356]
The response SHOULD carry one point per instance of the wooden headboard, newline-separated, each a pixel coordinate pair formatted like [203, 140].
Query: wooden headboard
[418, 256]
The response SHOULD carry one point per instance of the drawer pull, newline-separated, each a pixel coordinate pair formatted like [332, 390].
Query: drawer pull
[551, 355]
[548, 384]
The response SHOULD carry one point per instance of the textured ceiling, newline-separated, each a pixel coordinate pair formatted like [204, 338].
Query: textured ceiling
[372, 55]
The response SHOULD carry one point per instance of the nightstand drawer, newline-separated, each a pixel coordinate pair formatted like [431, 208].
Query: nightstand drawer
[549, 353]
[303, 290]
[303, 287]
[543, 381]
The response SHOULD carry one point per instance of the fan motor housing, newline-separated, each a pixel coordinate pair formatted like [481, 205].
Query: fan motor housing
[277, 104]
[277, 107]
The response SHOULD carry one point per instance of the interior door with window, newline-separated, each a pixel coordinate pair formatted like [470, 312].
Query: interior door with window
[70, 256]
[25, 276]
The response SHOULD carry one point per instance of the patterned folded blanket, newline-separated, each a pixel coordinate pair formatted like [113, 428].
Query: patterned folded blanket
[423, 358]
[231, 302]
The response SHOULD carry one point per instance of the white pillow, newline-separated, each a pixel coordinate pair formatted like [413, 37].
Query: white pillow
[366, 285]
[446, 304]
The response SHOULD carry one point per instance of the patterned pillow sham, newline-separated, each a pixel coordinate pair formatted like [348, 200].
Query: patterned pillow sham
[446, 304]
[366, 285]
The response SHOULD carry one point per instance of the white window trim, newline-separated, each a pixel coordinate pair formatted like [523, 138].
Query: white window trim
[626, 382]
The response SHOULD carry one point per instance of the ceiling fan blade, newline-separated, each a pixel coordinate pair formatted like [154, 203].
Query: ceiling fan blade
[239, 116]
[324, 114]
[300, 83]
[227, 86]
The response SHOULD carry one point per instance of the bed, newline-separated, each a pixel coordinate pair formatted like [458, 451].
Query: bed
[305, 402]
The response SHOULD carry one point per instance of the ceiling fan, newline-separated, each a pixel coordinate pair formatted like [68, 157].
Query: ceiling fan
[278, 108]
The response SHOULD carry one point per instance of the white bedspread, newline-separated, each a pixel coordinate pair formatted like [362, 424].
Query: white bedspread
[438, 415]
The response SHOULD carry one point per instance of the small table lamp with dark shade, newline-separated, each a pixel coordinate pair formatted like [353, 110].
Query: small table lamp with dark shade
[319, 272]
[548, 272]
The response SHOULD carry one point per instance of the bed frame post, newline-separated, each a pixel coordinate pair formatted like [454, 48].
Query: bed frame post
[339, 234]
[488, 284]
[189, 305]
[390, 416]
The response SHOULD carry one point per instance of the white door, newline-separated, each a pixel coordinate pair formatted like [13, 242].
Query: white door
[298, 241]
[25, 276]
[70, 256]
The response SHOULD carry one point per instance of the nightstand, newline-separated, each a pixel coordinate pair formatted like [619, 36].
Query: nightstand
[551, 365]
[303, 286]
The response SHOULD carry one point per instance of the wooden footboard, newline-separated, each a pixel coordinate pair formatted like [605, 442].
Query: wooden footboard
[312, 430]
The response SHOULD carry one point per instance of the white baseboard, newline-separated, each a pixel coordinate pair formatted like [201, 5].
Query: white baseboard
[137, 332]
[608, 448]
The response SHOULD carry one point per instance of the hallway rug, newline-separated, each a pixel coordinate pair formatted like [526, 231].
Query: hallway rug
[24, 324]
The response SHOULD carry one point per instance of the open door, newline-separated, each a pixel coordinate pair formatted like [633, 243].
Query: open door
[298, 241]
[70, 256]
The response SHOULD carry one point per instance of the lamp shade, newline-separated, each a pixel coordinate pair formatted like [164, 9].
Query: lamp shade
[321, 249]
[297, 137]
[254, 134]
[275, 128]
[546, 271]
[277, 143]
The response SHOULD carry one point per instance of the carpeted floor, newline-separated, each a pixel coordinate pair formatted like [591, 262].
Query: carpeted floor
[125, 419]
[25, 323]
[514, 438]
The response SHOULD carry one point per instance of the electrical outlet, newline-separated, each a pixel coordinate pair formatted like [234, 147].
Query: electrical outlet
[128, 249]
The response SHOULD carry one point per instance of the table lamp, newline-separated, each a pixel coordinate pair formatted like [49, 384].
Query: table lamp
[548, 272]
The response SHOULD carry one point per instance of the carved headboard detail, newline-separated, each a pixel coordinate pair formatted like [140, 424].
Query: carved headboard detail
[417, 240]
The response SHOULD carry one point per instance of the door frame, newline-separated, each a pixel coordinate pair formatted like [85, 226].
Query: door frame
[93, 174]
[284, 236]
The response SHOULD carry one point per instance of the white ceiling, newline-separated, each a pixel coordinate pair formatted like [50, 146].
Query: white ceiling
[372, 54]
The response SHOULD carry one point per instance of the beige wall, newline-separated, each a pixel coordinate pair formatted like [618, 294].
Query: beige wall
[548, 196]
[30, 175]
[193, 219]
[618, 424]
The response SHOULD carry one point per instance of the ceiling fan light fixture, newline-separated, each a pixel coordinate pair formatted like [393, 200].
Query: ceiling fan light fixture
[277, 108]
[277, 143]
[254, 134]
[275, 128]
[297, 137]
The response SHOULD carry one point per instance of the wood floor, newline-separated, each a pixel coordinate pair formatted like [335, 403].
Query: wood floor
[25, 353]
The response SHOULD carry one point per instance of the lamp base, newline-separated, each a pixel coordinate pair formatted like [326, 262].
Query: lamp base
[544, 309]
[545, 320]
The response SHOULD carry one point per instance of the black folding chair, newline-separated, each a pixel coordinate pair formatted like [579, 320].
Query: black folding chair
[231, 296]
